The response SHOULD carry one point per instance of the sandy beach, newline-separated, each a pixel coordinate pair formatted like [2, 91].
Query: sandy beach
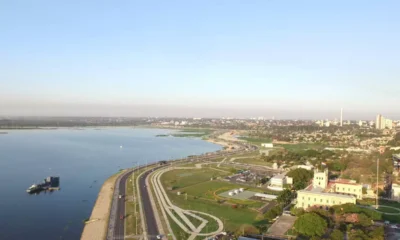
[96, 227]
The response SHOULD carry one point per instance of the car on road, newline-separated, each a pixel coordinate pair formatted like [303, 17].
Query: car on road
[159, 236]
[121, 216]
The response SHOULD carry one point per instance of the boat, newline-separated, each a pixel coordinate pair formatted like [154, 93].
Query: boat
[50, 184]
[34, 188]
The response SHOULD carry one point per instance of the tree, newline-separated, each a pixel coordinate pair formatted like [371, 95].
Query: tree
[299, 185]
[310, 224]
[273, 212]
[300, 175]
[378, 233]
[285, 196]
[336, 235]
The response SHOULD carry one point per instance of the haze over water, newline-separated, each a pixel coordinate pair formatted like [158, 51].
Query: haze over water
[83, 159]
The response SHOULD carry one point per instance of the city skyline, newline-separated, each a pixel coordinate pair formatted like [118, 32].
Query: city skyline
[208, 59]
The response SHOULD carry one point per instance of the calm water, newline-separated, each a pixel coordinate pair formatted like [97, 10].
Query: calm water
[83, 159]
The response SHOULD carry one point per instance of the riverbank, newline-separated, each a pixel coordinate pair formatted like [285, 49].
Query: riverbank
[96, 227]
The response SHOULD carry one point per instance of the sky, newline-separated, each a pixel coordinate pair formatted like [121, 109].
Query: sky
[200, 58]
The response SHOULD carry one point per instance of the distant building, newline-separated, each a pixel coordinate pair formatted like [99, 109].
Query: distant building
[278, 181]
[395, 191]
[382, 122]
[267, 145]
[307, 167]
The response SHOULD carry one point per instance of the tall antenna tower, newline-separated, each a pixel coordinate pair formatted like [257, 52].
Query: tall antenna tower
[341, 117]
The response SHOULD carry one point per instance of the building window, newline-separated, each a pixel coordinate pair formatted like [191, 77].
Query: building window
[308, 199]
[302, 198]
[349, 189]
[338, 189]
[343, 189]
[354, 190]
[308, 205]
[333, 202]
[327, 200]
[320, 200]
[315, 199]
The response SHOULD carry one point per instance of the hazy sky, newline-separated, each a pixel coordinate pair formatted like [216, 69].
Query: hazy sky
[200, 58]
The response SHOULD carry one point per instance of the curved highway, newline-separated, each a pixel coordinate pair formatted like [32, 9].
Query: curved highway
[116, 226]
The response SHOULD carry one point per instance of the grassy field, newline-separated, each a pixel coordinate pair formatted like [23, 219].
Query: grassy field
[382, 204]
[200, 196]
[234, 217]
[210, 190]
[255, 161]
[211, 226]
[256, 141]
[181, 178]
[178, 232]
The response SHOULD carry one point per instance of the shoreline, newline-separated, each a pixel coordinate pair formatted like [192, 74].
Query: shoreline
[101, 210]
[96, 226]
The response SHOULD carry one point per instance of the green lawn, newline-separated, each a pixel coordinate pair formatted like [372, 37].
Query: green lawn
[255, 161]
[234, 217]
[200, 196]
[211, 226]
[382, 204]
[256, 141]
[180, 178]
[387, 210]
[178, 232]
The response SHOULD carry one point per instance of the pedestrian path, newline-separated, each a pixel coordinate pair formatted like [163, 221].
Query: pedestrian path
[179, 215]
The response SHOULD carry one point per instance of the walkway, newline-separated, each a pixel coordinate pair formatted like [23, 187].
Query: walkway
[183, 222]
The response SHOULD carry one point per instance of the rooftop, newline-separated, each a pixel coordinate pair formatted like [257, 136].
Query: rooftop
[327, 194]
[279, 176]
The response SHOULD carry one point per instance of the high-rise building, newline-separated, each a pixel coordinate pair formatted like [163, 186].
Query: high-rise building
[341, 117]
[382, 123]
[389, 123]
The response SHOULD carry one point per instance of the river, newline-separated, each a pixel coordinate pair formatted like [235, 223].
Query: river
[83, 159]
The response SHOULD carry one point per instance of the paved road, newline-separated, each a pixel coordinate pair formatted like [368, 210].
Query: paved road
[116, 228]
[151, 224]
[119, 229]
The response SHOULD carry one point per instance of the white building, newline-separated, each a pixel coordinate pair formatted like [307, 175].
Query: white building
[307, 167]
[396, 191]
[320, 179]
[278, 181]
[267, 145]
[382, 123]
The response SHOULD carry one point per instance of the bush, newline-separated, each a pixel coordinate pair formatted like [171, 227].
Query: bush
[336, 235]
